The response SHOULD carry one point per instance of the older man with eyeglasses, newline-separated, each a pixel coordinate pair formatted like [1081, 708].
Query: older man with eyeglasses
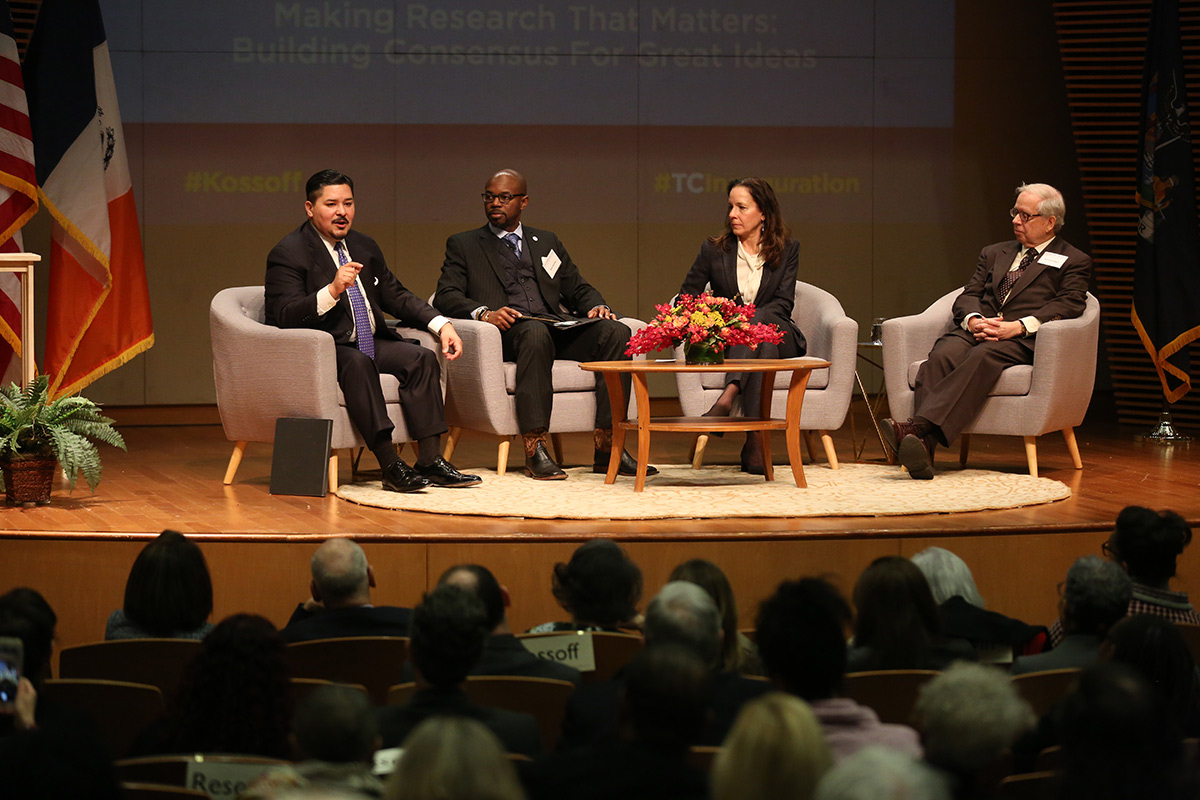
[521, 279]
[1017, 286]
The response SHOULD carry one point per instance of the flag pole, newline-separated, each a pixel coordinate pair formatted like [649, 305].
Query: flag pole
[1165, 432]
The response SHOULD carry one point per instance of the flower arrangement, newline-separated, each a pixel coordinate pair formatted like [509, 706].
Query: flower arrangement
[703, 322]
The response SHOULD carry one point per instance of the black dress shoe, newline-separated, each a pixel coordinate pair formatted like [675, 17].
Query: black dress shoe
[628, 464]
[752, 459]
[400, 477]
[916, 455]
[894, 433]
[540, 465]
[442, 473]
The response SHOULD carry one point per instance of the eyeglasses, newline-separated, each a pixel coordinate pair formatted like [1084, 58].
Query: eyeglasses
[505, 197]
[1024, 215]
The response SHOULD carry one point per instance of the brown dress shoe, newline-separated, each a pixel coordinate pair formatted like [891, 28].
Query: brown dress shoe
[894, 433]
[916, 455]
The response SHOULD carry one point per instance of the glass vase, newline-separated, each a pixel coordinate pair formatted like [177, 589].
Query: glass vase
[703, 354]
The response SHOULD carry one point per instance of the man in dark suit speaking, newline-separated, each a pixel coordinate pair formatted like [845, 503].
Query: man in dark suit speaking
[519, 279]
[325, 276]
[1018, 286]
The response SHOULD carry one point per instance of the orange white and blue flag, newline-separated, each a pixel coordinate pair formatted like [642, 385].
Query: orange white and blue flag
[98, 313]
[18, 189]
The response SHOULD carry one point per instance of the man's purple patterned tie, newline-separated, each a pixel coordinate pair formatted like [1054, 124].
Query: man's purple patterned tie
[1010, 277]
[362, 323]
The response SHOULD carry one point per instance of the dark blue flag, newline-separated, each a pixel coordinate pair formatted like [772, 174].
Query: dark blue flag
[1166, 273]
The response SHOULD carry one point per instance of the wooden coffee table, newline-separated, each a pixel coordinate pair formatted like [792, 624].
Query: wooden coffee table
[800, 368]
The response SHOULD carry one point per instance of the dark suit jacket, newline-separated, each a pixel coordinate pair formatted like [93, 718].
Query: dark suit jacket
[776, 291]
[340, 623]
[1077, 651]
[472, 269]
[503, 654]
[518, 733]
[1045, 292]
[593, 710]
[300, 265]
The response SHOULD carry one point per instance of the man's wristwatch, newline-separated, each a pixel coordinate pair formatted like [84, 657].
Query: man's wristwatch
[1024, 330]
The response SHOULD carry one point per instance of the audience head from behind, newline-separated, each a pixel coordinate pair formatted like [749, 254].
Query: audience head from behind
[801, 637]
[482, 583]
[897, 618]
[709, 577]
[666, 693]
[1114, 742]
[879, 773]
[341, 576]
[447, 634]
[169, 590]
[600, 586]
[453, 758]
[775, 749]
[1155, 648]
[234, 696]
[335, 724]
[25, 615]
[968, 717]
[682, 613]
[1147, 544]
[1095, 596]
[947, 575]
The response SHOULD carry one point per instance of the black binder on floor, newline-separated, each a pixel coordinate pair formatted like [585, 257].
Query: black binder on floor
[300, 463]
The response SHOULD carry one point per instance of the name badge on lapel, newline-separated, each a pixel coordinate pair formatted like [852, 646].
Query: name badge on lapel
[551, 263]
[1055, 260]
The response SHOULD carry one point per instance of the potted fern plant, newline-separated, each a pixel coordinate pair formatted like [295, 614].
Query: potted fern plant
[37, 434]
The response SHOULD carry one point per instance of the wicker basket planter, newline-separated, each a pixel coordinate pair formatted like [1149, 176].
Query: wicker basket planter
[28, 481]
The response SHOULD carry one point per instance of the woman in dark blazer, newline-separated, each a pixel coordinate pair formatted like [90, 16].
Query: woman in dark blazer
[754, 260]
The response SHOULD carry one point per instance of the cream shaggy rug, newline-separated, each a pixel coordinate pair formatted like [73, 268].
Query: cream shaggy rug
[680, 492]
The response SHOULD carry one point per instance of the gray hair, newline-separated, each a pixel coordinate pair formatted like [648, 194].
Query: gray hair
[878, 773]
[1050, 204]
[339, 569]
[1095, 596]
[969, 715]
[684, 613]
[948, 576]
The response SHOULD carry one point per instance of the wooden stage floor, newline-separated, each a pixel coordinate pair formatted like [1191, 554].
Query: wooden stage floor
[257, 544]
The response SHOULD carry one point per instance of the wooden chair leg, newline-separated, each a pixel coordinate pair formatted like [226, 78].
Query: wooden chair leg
[1072, 447]
[810, 447]
[333, 472]
[556, 443]
[235, 460]
[451, 442]
[698, 450]
[964, 448]
[502, 455]
[830, 453]
[1031, 454]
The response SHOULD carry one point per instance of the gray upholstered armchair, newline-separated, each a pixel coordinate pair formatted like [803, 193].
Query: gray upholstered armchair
[480, 387]
[263, 373]
[831, 335]
[1052, 394]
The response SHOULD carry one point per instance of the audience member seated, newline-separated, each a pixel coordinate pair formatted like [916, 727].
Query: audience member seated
[1115, 744]
[738, 653]
[168, 594]
[334, 738]
[340, 605]
[877, 773]
[681, 615]
[25, 615]
[968, 717]
[1154, 648]
[503, 653]
[1147, 544]
[898, 625]
[995, 637]
[599, 587]
[448, 630]
[775, 750]
[1096, 594]
[667, 690]
[234, 697]
[55, 764]
[453, 758]
[802, 640]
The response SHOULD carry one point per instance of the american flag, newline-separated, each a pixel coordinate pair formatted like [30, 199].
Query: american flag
[18, 188]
